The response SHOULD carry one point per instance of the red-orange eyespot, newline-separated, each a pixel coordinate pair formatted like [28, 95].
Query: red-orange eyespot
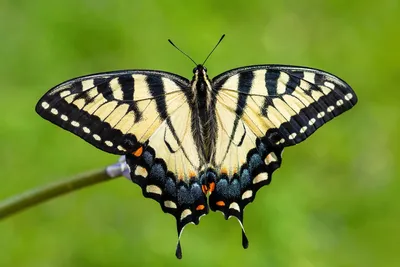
[220, 203]
[138, 152]
[200, 207]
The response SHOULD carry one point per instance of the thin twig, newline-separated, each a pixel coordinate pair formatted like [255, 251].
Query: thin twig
[36, 196]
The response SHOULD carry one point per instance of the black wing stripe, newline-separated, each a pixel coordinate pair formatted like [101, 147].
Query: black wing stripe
[245, 82]
[271, 81]
[104, 88]
[127, 83]
[156, 88]
[294, 81]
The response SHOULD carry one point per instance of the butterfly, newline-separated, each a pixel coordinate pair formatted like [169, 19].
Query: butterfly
[201, 144]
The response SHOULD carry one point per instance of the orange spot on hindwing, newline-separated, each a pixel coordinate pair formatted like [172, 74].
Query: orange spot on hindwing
[220, 203]
[138, 152]
[200, 207]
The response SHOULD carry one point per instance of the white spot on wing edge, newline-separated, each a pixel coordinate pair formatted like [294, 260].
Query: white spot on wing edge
[271, 157]
[86, 130]
[348, 96]
[96, 137]
[141, 171]
[303, 129]
[120, 148]
[54, 111]
[64, 118]
[45, 105]
[153, 189]
[234, 206]
[260, 177]
[330, 108]
[292, 136]
[108, 143]
[75, 123]
[339, 102]
[247, 194]
[185, 213]
[312, 121]
[170, 204]
[320, 115]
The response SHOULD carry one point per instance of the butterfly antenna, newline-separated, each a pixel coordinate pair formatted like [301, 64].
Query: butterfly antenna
[169, 40]
[222, 37]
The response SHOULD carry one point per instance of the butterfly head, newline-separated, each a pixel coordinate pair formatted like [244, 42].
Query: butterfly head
[200, 73]
[199, 69]
[200, 81]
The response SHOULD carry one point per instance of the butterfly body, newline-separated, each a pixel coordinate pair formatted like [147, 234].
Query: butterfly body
[186, 140]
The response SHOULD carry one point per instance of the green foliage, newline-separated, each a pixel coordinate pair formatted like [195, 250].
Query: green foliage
[334, 202]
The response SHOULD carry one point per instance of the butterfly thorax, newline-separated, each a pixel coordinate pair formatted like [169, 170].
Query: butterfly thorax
[203, 121]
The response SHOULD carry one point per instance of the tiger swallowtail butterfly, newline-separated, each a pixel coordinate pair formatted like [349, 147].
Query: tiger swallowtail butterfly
[184, 141]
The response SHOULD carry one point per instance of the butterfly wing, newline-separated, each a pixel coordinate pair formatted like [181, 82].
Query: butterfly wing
[114, 111]
[260, 110]
[144, 115]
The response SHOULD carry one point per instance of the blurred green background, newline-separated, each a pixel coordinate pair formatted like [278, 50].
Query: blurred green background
[334, 202]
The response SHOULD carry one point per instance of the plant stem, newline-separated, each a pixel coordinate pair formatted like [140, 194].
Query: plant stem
[36, 196]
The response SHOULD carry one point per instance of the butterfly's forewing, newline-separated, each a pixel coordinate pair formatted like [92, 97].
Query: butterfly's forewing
[260, 110]
[144, 115]
[113, 111]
